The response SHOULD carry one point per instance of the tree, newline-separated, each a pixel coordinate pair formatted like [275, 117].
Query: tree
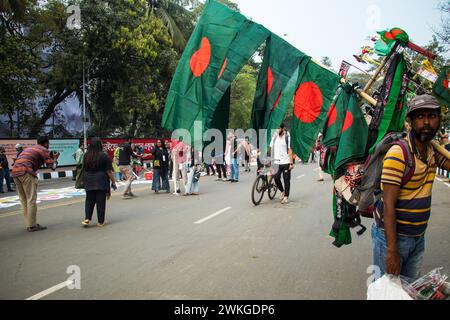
[326, 61]
[242, 94]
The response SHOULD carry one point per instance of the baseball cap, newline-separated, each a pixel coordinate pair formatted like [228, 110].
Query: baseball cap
[424, 101]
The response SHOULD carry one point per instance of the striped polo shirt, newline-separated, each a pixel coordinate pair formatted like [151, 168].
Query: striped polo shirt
[413, 207]
[30, 160]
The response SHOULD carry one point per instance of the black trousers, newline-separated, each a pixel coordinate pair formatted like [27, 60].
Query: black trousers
[96, 198]
[210, 167]
[221, 169]
[283, 169]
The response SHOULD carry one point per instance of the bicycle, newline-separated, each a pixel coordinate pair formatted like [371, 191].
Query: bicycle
[264, 182]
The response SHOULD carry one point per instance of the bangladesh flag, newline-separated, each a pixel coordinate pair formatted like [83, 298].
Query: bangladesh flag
[199, 68]
[313, 97]
[335, 118]
[247, 41]
[441, 88]
[354, 132]
[276, 83]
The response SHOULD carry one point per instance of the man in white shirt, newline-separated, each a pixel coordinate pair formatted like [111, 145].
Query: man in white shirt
[282, 156]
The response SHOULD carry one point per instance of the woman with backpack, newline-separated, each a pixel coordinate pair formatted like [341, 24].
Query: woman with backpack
[161, 168]
[98, 180]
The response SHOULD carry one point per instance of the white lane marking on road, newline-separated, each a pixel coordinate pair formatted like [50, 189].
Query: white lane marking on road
[51, 290]
[299, 177]
[213, 215]
[439, 179]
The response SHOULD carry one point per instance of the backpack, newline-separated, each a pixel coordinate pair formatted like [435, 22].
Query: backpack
[368, 192]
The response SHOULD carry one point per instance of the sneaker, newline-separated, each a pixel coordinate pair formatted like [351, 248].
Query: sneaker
[224, 180]
[131, 194]
[37, 227]
[101, 225]
[85, 223]
[285, 200]
[126, 197]
[282, 196]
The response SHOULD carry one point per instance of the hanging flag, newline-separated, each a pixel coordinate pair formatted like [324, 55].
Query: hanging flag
[247, 41]
[315, 91]
[335, 118]
[390, 112]
[280, 68]
[343, 70]
[199, 68]
[354, 132]
[441, 88]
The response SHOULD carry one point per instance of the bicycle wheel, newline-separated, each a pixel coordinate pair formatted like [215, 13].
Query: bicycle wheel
[272, 189]
[258, 190]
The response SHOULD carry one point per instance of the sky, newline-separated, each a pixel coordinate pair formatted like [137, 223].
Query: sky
[338, 29]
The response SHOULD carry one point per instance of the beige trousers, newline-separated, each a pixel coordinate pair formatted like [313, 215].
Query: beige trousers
[27, 189]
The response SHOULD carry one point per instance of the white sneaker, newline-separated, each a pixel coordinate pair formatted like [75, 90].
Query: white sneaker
[285, 200]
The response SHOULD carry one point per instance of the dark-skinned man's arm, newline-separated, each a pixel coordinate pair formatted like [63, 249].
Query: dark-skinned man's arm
[390, 195]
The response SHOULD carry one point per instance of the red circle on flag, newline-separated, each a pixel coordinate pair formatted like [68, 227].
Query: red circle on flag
[445, 84]
[332, 115]
[269, 80]
[348, 122]
[201, 58]
[308, 102]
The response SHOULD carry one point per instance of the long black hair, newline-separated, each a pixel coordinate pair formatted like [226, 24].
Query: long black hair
[93, 155]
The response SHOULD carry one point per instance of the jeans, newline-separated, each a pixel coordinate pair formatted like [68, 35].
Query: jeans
[4, 174]
[410, 251]
[234, 167]
[283, 169]
[161, 179]
[96, 198]
[192, 186]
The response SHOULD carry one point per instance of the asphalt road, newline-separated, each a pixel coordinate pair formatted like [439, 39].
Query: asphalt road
[154, 249]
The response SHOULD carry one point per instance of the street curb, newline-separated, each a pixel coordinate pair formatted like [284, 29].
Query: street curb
[55, 175]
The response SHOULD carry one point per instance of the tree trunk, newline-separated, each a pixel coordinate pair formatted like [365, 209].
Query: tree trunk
[57, 99]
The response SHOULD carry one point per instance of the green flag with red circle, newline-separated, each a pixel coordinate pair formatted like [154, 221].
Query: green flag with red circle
[203, 63]
[313, 97]
[354, 133]
[276, 82]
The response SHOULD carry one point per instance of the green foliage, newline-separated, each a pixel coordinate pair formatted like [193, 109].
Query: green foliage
[242, 94]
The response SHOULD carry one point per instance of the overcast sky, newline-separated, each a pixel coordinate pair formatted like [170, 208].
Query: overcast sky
[339, 29]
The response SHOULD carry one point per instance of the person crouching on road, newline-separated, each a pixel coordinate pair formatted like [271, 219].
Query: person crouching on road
[24, 173]
[98, 176]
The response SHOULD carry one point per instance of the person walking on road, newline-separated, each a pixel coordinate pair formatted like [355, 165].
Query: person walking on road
[221, 167]
[125, 167]
[25, 178]
[282, 155]
[234, 165]
[161, 168]
[98, 180]
[4, 171]
[401, 216]
[317, 156]
[179, 153]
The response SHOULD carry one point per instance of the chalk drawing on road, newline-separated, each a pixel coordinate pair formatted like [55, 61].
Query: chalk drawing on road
[57, 194]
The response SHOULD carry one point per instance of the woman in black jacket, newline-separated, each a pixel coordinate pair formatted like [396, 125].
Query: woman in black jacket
[98, 173]
[161, 168]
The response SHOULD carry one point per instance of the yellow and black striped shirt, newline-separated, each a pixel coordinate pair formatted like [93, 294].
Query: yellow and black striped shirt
[413, 207]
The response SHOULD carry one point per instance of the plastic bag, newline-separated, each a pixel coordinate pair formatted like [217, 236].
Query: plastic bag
[432, 286]
[387, 288]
